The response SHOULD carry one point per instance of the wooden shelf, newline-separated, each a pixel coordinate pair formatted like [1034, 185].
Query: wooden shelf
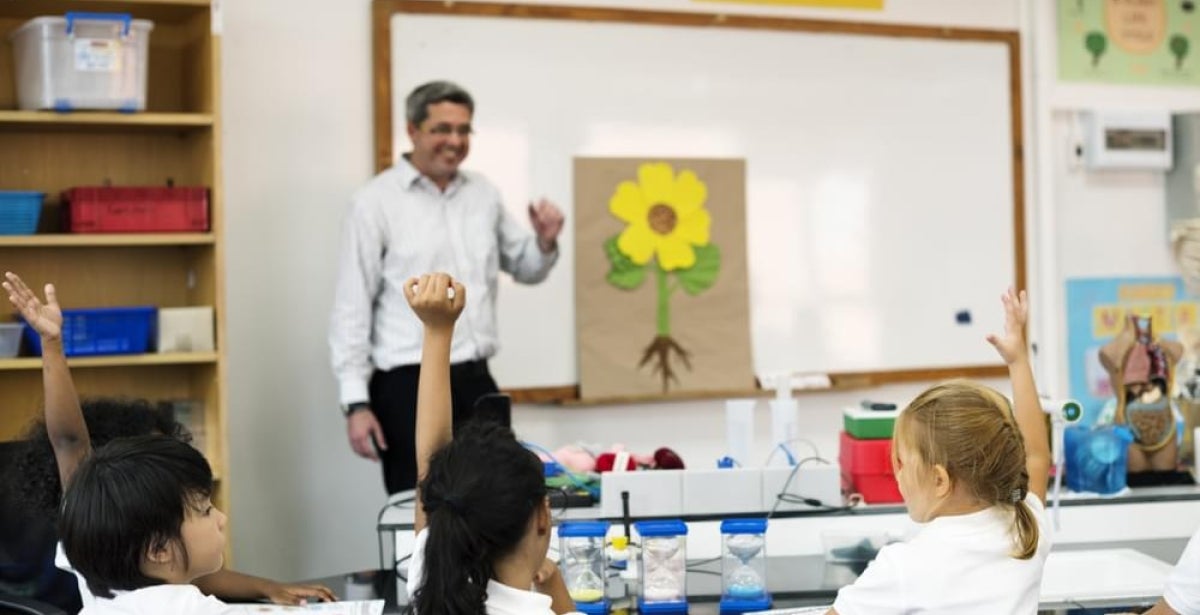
[105, 119]
[129, 360]
[158, 10]
[103, 240]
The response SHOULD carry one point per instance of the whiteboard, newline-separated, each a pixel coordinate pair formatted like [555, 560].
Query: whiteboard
[880, 202]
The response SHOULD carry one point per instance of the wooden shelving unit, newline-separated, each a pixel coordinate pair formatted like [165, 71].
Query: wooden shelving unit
[176, 139]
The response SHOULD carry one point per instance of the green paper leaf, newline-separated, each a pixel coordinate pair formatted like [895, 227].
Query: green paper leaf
[703, 274]
[625, 274]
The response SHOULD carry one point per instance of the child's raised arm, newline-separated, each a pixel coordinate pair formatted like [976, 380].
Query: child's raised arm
[437, 308]
[64, 419]
[1027, 407]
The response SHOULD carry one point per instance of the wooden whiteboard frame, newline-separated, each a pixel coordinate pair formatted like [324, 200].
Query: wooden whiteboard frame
[382, 12]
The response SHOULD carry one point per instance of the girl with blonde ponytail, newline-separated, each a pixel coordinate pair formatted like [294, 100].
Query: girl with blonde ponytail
[973, 470]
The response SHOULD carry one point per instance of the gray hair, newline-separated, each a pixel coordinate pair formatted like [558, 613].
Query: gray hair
[416, 106]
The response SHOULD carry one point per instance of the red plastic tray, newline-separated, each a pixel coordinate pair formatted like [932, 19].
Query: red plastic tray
[130, 209]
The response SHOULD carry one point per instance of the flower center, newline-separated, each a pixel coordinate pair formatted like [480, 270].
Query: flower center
[662, 219]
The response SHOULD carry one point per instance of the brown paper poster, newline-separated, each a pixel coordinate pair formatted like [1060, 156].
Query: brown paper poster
[661, 297]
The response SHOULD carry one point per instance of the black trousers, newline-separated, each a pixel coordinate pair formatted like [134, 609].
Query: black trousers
[394, 402]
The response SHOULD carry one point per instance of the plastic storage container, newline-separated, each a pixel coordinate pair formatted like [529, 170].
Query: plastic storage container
[744, 566]
[10, 339]
[1097, 458]
[100, 331]
[663, 569]
[867, 469]
[82, 61]
[869, 424]
[19, 212]
[584, 565]
[153, 209]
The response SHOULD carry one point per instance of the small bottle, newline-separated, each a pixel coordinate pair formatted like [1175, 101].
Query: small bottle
[663, 566]
[584, 564]
[744, 566]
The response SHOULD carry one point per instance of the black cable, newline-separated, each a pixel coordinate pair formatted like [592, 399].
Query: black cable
[784, 496]
[379, 519]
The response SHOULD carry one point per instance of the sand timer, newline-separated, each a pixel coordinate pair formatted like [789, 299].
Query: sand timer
[583, 562]
[663, 568]
[744, 566]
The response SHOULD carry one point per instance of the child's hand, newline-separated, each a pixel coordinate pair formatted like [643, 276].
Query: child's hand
[45, 318]
[431, 299]
[1011, 345]
[280, 593]
[545, 573]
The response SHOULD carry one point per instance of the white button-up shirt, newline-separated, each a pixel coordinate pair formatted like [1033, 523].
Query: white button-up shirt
[401, 225]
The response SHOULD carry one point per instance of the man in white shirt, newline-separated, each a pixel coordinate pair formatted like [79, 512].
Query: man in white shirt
[1182, 593]
[424, 215]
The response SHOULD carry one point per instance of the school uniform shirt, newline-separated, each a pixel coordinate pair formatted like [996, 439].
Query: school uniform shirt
[953, 565]
[1183, 586]
[61, 561]
[158, 600]
[402, 225]
[501, 599]
[154, 600]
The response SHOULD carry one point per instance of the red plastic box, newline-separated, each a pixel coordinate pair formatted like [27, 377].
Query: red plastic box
[867, 469]
[130, 209]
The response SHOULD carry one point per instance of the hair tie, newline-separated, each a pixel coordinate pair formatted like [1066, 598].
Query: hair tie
[1016, 495]
[454, 503]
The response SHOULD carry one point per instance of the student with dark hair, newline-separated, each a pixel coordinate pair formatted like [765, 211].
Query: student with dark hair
[138, 523]
[66, 436]
[483, 519]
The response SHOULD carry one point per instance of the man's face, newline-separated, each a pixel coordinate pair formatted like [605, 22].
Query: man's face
[442, 141]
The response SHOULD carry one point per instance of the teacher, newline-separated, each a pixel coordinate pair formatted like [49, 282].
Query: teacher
[424, 215]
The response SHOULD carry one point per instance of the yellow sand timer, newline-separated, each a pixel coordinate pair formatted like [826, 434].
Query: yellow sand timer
[584, 564]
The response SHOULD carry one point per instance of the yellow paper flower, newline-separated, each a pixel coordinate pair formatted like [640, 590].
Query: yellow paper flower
[665, 215]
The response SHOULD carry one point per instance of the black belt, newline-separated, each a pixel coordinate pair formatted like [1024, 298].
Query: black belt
[466, 369]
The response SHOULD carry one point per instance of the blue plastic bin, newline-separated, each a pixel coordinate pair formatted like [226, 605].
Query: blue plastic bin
[19, 212]
[1097, 458]
[101, 331]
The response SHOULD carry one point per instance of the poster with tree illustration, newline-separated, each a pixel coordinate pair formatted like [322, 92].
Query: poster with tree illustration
[661, 295]
[1147, 42]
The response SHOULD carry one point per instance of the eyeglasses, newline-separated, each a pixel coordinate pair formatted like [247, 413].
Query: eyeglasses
[445, 130]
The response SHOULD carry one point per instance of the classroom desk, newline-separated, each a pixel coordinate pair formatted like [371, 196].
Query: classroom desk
[804, 580]
[794, 581]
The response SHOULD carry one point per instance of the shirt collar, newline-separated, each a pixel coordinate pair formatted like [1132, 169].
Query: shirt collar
[410, 176]
[504, 599]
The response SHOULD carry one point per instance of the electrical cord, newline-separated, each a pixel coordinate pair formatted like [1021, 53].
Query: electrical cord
[784, 496]
[571, 476]
[404, 501]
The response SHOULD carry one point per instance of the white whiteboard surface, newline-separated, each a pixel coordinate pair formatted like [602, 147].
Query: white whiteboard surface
[879, 172]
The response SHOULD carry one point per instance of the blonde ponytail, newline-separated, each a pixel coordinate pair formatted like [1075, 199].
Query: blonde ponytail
[1027, 535]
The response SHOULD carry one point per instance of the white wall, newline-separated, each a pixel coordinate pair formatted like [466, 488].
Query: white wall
[297, 142]
[1086, 223]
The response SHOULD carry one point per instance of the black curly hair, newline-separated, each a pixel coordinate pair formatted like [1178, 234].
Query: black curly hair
[107, 418]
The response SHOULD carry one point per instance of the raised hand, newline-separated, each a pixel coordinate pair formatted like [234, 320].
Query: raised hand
[436, 298]
[1011, 345]
[547, 221]
[45, 318]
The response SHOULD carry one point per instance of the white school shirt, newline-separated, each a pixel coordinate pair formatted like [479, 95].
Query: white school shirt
[1183, 586]
[953, 565]
[180, 599]
[501, 599]
[159, 600]
[402, 225]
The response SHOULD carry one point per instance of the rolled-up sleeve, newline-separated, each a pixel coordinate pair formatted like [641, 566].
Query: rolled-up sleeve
[520, 255]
